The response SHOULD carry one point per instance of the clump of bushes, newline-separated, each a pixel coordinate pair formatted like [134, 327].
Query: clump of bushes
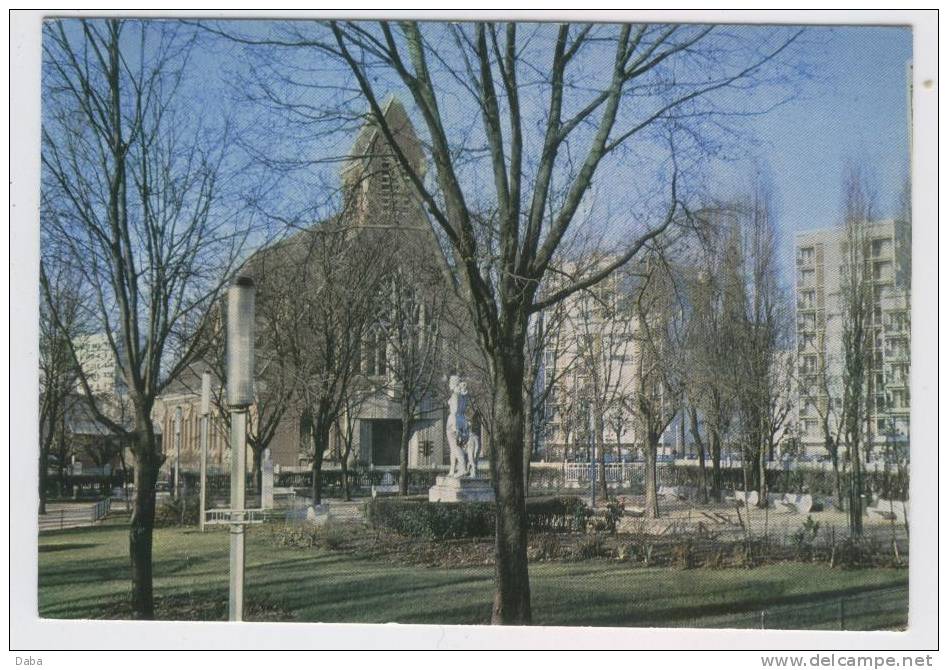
[805, 538]
[168, 512]
[433, 521]
[560, 514]
[446, 521]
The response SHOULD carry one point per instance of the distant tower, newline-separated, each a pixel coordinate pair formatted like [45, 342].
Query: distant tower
[378, 191]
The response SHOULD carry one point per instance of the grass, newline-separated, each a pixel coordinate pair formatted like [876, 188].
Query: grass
[83, 573]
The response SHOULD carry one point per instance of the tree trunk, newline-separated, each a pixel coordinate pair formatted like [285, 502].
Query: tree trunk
[834, 457]
[43, 467]
[762, 476]
[529, 439]
[346, 492]
[320, 437]
[141, 527]
[651, 475]
[512, 583]
[855, 502]
[256, 468]
[715, 465]
[600, 438]
[702, 475]
[404, 441]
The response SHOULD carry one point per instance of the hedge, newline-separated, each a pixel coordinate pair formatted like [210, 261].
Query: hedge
[441, 521]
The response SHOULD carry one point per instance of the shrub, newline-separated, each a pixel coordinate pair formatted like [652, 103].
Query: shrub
[440, 521]
[168, 512]
[614, 509]
[591, 547]
[804, 539]
[434, 521]
[682, 556]
[560, 514]
[547, 547]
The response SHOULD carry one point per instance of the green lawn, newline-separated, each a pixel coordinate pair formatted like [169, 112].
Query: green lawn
[83, 573]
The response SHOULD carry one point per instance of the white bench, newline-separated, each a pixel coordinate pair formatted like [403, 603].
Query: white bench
[669, 492]
[890, 510]
[796, 503]
[747, 498]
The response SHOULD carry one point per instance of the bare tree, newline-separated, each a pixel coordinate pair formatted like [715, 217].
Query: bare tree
[547, 366]
[603, 319]
[827, 405]
[763, 320]
[276, 385]
[858, 345]
[130, 193]
[411, 327]
[360, 390]
[339, 275]
[59, 323]
[712, 352]
[658, 366]
[536, 184]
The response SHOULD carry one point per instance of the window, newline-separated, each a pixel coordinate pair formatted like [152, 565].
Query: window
[881, 247]
[882, 271]
[807, 322]
[809, 365]
[807, 341]
[807, 277]
[899, 399]
[805, 256]
[807, 299]
[380, 366]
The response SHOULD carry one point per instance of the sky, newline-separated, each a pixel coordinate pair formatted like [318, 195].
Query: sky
[848, 106]
[853, 110]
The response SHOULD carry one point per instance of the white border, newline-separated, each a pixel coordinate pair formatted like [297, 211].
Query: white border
[29, 632]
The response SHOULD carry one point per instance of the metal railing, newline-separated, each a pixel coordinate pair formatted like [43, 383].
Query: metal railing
[879, 609]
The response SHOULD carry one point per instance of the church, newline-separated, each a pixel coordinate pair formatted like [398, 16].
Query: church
[376, 197]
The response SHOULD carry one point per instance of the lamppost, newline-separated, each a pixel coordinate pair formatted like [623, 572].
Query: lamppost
[177, 453]
[592, 459]
[240, 354]
[205, 412]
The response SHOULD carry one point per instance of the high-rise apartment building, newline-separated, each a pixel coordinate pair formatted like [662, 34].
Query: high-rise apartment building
[820, 269]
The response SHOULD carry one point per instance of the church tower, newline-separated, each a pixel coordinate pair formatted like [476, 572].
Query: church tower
[378, 191]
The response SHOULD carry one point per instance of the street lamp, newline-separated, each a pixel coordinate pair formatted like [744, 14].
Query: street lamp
[205, 412]
[240, 322]
[177, 452]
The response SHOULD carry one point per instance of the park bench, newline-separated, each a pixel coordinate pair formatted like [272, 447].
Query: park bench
[387, 485]
[669, 492]
[744, 497]
[890, 510]
[796, 503]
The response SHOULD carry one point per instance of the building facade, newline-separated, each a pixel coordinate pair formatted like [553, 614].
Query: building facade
[820, 271]
[377, 197]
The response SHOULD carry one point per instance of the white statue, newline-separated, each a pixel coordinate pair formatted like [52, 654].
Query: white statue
[458, 431]
[473, 453]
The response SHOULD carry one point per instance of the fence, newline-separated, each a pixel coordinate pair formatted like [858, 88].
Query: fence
[881, 609]
[629, 476]
[74, 516]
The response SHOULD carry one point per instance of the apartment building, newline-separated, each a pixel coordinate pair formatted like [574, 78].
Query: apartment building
[820, 268]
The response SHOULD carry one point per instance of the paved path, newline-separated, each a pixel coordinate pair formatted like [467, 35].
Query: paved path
[340, 510]
[60, 516]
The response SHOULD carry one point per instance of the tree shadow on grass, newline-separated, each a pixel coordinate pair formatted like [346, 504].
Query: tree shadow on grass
[614, 610]
[46, 548]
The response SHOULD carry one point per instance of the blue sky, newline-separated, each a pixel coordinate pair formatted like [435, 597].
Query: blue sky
[854, 109]
[851, 106]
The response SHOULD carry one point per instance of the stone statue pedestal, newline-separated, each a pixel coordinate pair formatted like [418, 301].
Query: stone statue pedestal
[461, 489]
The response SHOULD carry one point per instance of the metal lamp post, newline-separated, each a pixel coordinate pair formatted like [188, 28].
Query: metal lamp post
[205, 412]
[240, 354]
[592, 459]
[177, 452]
